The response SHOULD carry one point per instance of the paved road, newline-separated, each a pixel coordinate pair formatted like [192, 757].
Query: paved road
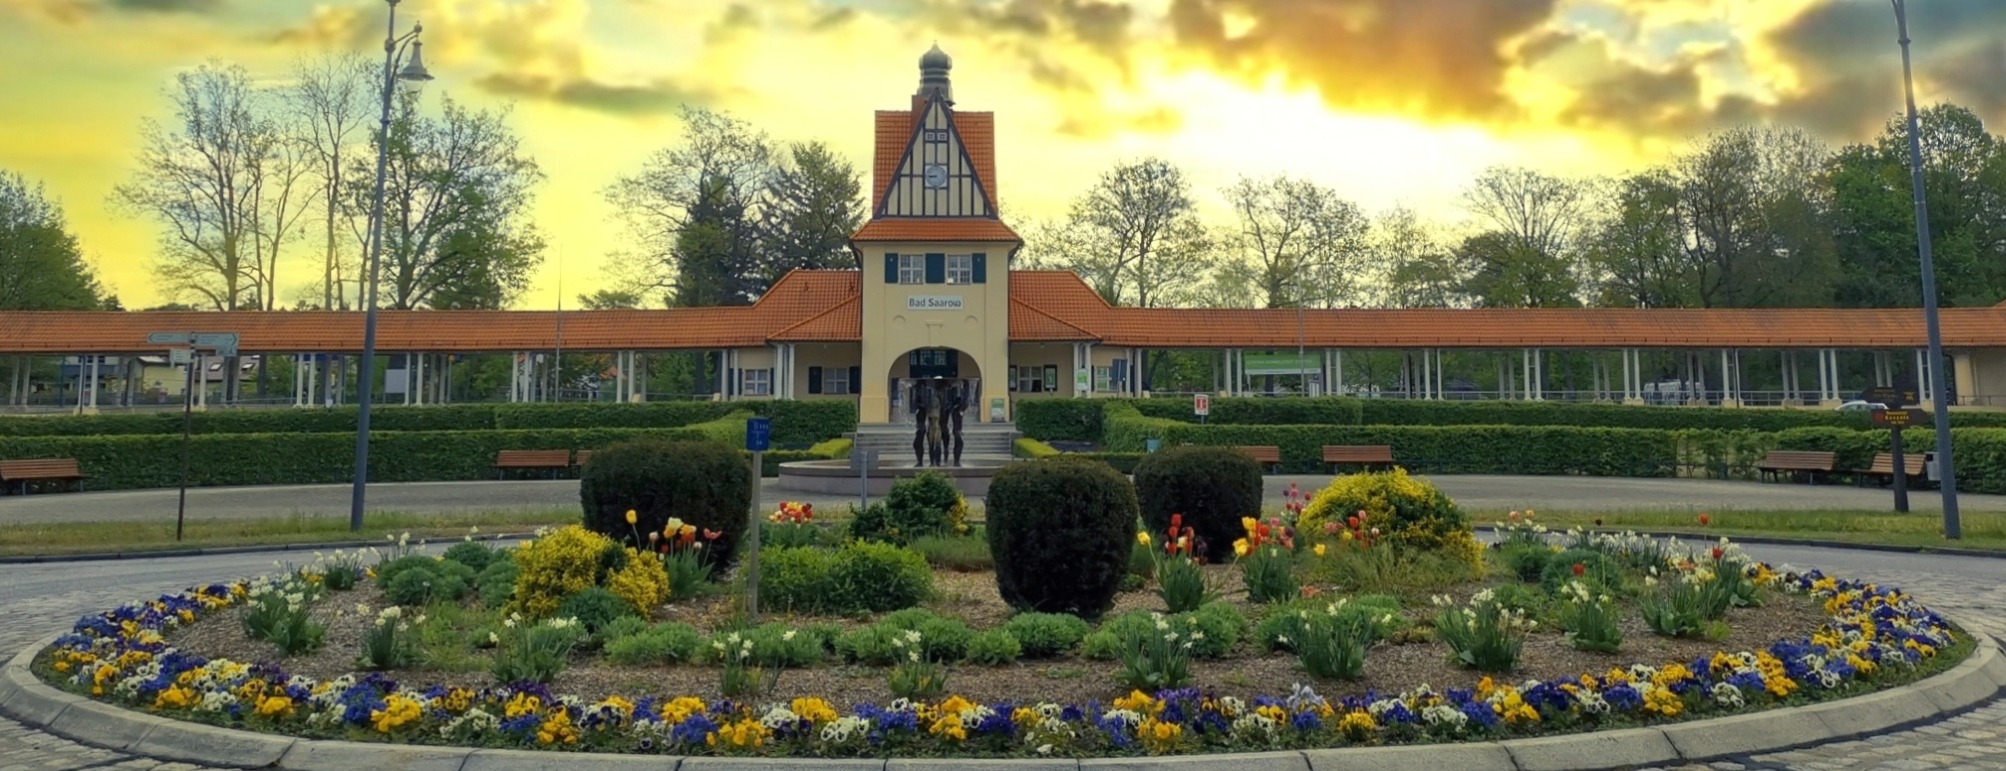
[1477, 493]
[44, 599]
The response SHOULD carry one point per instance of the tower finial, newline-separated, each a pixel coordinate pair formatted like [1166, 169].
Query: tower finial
[933, 69]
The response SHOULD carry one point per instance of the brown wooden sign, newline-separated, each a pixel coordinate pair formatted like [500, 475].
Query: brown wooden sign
[1900, 418]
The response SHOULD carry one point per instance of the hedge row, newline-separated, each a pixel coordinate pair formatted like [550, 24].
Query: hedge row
[154, 460]
[794, 422]
[1462, 449]
[1091, 419]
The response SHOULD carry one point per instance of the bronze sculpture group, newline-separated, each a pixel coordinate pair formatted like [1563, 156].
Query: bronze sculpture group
[937, 406]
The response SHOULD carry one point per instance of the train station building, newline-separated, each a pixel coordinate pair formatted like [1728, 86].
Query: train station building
[937, 298]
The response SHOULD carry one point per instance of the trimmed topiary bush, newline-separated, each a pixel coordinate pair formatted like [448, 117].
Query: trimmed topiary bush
[421, 584]
[1409, 512]
[1213, 487]
[706, 484]
[1045, 635]
[1060, 532]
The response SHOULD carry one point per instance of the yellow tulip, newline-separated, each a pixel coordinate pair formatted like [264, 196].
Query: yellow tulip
[1142, 538]
[1240, 548]
[632, 517]
[1320, 549]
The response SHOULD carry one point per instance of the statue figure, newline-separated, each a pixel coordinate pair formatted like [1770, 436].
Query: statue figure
[957, 405]
[936, 413]
[920, 397]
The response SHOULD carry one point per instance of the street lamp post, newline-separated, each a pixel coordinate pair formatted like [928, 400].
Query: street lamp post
[394, 47]
[1939, 390]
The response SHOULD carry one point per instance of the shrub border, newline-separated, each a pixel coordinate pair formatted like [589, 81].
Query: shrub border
[1977, 679]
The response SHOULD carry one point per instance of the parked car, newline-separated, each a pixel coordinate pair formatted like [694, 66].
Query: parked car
[1858, 405]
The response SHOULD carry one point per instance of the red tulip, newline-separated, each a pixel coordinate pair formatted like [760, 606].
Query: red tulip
[1705, 519]
[1176, 522]
[1580, 568]
[1716, 552]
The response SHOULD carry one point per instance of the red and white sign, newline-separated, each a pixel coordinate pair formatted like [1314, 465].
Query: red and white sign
[1201, 404]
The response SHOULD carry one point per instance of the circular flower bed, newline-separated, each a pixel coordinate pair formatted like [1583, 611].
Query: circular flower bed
[1874, 635]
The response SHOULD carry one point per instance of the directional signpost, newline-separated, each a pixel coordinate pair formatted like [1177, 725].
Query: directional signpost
[1201, 405]
[758, 439]
[182, 351]
[1895, 415]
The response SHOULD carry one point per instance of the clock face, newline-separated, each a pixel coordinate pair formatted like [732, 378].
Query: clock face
[936, 176]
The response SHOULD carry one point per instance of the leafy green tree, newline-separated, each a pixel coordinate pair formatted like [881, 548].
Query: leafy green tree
[1416, 269]
[456, 199]
[693, 210]
[1872, 217]
[1299, 243]
[1636, 250]
[814, 202]
[41, 266]
[1524, 257]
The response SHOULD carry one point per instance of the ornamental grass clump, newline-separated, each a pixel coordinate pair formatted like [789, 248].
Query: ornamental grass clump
[387, 644]
[1484, 634]
[1591, 620]
[1180, 575]
[917, 673]
[279, 613]
[1331, 644]
[1267, 560]
[1157, 656]
[533, 652]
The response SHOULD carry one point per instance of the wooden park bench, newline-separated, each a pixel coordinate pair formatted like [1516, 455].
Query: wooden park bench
[22, 473]
[551, 460]
[1883, 467]
[1267, 456]
[583, 457]
[1805, 462]
[1368, 455]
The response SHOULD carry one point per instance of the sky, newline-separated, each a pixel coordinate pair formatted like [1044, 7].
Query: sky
[1390, 102]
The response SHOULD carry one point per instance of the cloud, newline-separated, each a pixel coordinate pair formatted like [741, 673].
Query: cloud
[165, 6]
[1429, 58]
[73, 12]
[651, 98]
[1847, 60]
[344, 27]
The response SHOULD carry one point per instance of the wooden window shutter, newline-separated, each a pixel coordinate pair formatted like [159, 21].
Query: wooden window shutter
[856, 380]
[981, 262]
[814, 380]
[891, 268]
[936, 268]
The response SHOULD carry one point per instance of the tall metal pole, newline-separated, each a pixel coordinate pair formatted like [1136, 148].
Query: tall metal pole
[366, 373]
[1939, 389]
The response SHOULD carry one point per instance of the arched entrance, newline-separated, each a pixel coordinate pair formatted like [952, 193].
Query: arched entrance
[921, 375]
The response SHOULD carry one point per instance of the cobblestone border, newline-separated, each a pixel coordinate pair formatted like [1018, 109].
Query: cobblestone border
[1975, 681]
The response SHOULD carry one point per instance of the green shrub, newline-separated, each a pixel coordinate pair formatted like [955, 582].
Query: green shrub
[1526, 561]
[1213, 487]
[923, 505]
[658, 645]
[705, 484]
[870, 645]
[1599, 571]
[779, 644]
[1060, 531]
[624, 626]
[1284, 620]
[595, 608]
[1222, 624]
[496, 582]
[1046, 635]
[1410, 513]
[994, 648]
[420, 585]
[877, 577]
[474, 555]
[860, 577]
[388, 571]
[1026, 447]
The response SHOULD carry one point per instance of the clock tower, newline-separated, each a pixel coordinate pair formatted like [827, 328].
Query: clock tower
[936, 255]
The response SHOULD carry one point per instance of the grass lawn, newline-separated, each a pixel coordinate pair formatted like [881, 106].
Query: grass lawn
[1982, 530]
[94, 537]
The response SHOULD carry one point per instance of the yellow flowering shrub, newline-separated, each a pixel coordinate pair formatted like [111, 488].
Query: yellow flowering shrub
[562, 562]
[643, 583]
[1406, 510]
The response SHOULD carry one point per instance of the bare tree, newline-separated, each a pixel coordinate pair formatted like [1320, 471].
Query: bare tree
[1300, 243]
[199, 176]
[330, 98]
[281, 198]
[1535, 211]
[1135, 235]
[1416, 269]
[693, 210]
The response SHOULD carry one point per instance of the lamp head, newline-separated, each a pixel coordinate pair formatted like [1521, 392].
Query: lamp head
[415, 72]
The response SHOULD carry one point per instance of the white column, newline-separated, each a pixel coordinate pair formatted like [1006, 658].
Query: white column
[1337, 370]
[96, 357]
[202, 380]
[1629, 374]
[1439, 375]
[1923, 375]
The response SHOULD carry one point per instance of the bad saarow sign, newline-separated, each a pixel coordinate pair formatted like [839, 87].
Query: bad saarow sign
[933, 302]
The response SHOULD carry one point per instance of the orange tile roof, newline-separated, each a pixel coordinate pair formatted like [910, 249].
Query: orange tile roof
[1028, 324]
[893, 131]
[936, 229]
[825, 306]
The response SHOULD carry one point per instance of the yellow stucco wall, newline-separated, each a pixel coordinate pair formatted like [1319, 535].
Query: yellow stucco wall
[979, 329]
[1981, 378]
[828, 356]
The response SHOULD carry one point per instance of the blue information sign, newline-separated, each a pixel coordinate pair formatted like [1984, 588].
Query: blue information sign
[758, 434]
